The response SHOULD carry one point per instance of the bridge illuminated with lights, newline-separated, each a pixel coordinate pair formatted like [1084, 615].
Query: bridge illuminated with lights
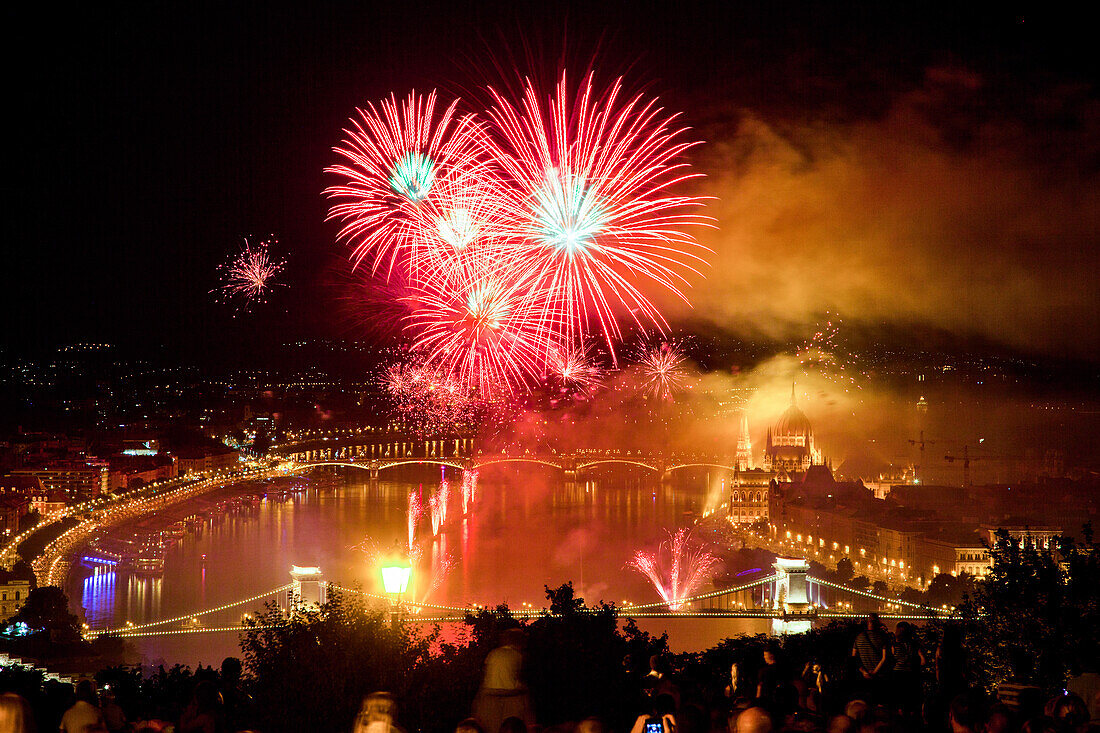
[784, 598]
[376, 453]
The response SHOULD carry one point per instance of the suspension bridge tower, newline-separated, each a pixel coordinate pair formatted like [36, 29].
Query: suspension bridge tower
[792, 596]
[308, 589]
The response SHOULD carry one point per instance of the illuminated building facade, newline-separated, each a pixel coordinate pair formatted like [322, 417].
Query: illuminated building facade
[789, 447]
[749, 496]
[13, 594]
[76, 480]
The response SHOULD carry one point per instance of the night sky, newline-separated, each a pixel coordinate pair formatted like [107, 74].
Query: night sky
[906, 165]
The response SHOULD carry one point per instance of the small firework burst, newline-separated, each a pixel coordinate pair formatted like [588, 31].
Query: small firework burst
[662, 370]
[575, 370]
[825, 354]
[685, 570]
[250, 273]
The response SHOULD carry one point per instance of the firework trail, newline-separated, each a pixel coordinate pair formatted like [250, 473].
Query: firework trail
[596, 215]
[662, 371]
[686, 570]
[250, 273]
[469, 490]
[440, 570]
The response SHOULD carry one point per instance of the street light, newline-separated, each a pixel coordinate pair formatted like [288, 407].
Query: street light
[395, 578]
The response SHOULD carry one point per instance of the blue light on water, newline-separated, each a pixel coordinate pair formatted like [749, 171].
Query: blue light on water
[98, 596]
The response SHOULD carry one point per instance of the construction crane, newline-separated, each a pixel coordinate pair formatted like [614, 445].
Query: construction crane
[922, 442]
[966, 459]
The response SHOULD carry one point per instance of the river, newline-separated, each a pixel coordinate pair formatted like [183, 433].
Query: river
[524, 530]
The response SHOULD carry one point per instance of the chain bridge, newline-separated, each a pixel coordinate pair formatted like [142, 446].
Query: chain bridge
[788, 596]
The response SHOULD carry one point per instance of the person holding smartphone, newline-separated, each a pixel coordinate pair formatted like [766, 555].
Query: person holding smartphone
[662, 719]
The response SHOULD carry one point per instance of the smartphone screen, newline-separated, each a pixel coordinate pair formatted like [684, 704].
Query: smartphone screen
[654, 725]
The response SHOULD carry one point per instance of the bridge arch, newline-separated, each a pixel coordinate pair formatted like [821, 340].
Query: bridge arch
[383, 464]
[506, 459]
[697, 465]
[602, 461]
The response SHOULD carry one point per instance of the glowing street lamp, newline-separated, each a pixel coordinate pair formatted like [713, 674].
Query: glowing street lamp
[395, 578]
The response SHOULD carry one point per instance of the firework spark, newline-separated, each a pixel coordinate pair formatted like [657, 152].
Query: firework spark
[686, 570]
[429, 402]
[483, 325]
[250, 273]
[662, 371]
[824, 353]
[441, 567]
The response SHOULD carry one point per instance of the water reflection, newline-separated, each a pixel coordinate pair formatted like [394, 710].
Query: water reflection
[98, 596]
[523, 531]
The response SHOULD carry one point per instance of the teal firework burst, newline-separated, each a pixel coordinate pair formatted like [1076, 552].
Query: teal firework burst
[412, 176]
[567, 215]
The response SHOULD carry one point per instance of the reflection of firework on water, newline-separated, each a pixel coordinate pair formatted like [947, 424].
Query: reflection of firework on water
[661, 370]
[416, 511]
[517, 236]
[469, 490]
[438, 504]
[250, 273]
[686, 570]
[596, 217]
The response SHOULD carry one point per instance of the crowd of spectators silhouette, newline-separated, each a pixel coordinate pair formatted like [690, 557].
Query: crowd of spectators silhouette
[890, 684]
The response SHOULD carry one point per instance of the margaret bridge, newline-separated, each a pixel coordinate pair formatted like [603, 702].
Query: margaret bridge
[378, 453]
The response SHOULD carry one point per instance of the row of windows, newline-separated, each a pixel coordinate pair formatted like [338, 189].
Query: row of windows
[756, 496]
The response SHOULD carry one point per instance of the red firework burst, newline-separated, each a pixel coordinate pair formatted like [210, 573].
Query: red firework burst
[595, 215]
[402, 160]
[249, 274]
[516, 239]
[482, 324]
